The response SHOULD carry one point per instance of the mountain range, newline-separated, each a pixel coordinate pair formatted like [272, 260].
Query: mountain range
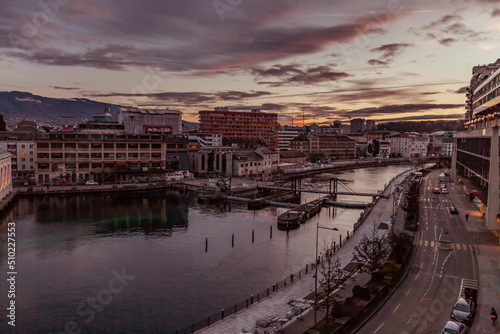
[17, 106]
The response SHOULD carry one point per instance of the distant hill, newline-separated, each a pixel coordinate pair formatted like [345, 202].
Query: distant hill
[190, 125]
[16, 106]
[422, 126]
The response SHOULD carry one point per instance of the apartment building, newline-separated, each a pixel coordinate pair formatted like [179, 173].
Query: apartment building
[241, 124]
[73, 158]
[20, 143]
[358, 125]
[5, 174]
[161, 121]
[261, 162]
[327, 146]
[285, 137]
[409, 145]
[476, 151]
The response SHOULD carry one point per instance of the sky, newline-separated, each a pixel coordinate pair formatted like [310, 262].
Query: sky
[307, 60]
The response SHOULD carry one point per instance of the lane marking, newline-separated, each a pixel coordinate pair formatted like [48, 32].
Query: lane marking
[378, 328]
[396, 308]
[416, 277]
[432, 243]
[408, 292]
[458, 247]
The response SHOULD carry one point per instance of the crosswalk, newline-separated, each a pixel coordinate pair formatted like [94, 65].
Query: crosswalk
[448, 245]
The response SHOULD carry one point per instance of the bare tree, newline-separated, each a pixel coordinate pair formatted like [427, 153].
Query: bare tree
[370, 252]
[332, 277]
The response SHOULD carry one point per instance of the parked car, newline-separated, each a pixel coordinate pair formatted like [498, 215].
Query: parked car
[464, 311]
[437, 191]
[91, 183]
[453, 327]
[444, 190]
[453, 210]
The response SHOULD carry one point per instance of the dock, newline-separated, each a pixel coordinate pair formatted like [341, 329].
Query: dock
[292, 219]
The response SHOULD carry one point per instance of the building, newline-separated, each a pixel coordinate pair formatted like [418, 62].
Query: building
[378, 148]
[475, 159]
[262, 162]
[371, 125]
[20, 143]
[440, 144]
[198, 140]
[241, 124]
[325, 146]
[210, 160]
[73, 158]
[380, 134]
[447, 144]
[5, 174]
[358, 125]
[285, 137]
[409, 145]
[160, 121]
[291, 156]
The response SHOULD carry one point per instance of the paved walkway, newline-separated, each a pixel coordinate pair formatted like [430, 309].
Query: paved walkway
[487, 257]
[277, 304]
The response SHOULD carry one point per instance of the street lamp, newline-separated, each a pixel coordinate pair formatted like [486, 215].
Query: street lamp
[316, 267]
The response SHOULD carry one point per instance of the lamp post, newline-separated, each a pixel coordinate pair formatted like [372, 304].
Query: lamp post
[316, 268]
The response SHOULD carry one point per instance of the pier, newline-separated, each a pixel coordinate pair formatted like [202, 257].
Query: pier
[292, 219]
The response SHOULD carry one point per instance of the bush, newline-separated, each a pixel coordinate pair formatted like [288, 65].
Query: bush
[357, 290]
[390, 268]
[337, 311]
[365, 294]
[378, 277]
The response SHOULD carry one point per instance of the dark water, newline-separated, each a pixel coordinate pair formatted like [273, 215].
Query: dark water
[136, 262]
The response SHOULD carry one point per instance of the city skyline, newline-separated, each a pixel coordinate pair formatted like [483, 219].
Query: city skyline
[379, 60]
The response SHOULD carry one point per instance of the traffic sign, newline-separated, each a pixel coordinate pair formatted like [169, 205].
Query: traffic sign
[445, 231]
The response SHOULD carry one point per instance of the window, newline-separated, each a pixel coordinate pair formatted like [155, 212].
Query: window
[56, 155]
[121, 155]
[145, 146]
[83, 146]
[171, 146]
[133, 146]
[109, 165]
[83, 155]
[96, 146]
[43, 166]
[42, 155]
[70, 166]
[42, 145]
[109, 156]
[70, 155]
[70, 145]
[96, 155]
[83, 165]
[121, 146]
[109, 145]
[145, 155]
[133, 155]
[96, 165]
[56, 145]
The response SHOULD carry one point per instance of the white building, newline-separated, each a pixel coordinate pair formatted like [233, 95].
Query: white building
[203, 140]
[409, 145]
[22, 151]
[163, 121]
[285, 136]
[447, 146]
[260, 162]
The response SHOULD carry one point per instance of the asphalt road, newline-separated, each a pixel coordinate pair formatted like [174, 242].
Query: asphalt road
[423, 302]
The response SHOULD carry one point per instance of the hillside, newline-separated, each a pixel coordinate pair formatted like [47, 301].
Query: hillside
[16, 106]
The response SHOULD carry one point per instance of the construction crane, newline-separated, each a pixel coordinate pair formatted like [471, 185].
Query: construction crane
[67, 127]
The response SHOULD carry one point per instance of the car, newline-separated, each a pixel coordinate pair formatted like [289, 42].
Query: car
[453, 327]
[464, 311]
[475, 192]
[91, 183]
[26, 183]
[453, 210]
[443, 185]
[444, 190]
[437, 191]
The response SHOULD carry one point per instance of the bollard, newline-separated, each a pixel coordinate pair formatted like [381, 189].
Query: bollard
[208, 321]
[271, 232]
[307, 268]
[274, 287]
[251, 299]
[206, 245]
[232, 240]
[235, 308]
[334, 246]
[340, 244]
[253, 232]
[291, 278]
[284, 284]
[347, 234]
[246, 301]
[192, 328]
[222, 314]
[258, 297]
[268, 292]
[300, 273]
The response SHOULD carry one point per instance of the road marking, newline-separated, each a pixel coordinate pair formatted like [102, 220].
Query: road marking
[458, 246]
[496, 233]
[432, 243]
[396, 308]
[378, 328]
[407, 293]
[422, 265]
[426, 243]
[420, 242]
[416, 277]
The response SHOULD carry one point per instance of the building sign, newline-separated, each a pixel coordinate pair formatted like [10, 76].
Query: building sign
[162, 129]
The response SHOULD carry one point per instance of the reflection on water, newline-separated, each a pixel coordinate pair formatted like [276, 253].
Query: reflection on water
[68, 246]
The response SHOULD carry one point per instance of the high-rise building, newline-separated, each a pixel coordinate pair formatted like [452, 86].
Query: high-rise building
[285, 137]
[358, 125]
[241, 124]
[370, 125]
[475, 159]
[160, 121]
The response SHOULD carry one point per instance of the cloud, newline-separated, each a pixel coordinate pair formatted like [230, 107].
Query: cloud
[389, 51]
[446, 19]
[64, 88]
[293, 75]
[461, 90]
[495, 12]
[447, 41]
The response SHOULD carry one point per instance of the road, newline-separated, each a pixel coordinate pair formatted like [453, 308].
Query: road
[423, 302]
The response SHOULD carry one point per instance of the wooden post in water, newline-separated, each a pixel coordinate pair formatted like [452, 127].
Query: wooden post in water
[232, 240]
[253, 233]
[340, 243]
[206, 245]
[271, 231]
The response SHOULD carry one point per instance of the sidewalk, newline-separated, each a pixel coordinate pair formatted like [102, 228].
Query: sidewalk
[487, 258]
[277, 304]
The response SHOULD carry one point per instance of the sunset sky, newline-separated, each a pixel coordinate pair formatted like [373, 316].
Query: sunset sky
[329, 60]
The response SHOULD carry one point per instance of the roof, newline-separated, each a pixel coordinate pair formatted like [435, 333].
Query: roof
[265, 150]
[300, 138]
[151, 111]
[291, 154]
[246, 156]
[335, 138]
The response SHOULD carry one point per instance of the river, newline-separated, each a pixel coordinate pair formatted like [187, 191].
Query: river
[138, 263]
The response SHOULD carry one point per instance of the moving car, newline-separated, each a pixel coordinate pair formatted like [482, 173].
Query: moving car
[437, 191]
[453, 327]
[444, 190]
[453, 210]
[464, 311]
[91, 183]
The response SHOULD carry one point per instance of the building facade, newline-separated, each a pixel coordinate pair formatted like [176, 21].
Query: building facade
[73, 158]
[409, 145]
[358, 125]
[21, 146]
[5, 174]
[327, 146]
[241, 124]
[285, 137]
[476, 151]
[211, 160]
[159, 121]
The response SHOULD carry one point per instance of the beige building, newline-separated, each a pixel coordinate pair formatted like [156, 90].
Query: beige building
[261, 162]
[328, 146]
[5, 174]
[158, 121]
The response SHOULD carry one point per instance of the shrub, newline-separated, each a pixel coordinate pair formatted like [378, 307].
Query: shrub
[365, 294]
[357, 291]
[390, 268]
[337, 311]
